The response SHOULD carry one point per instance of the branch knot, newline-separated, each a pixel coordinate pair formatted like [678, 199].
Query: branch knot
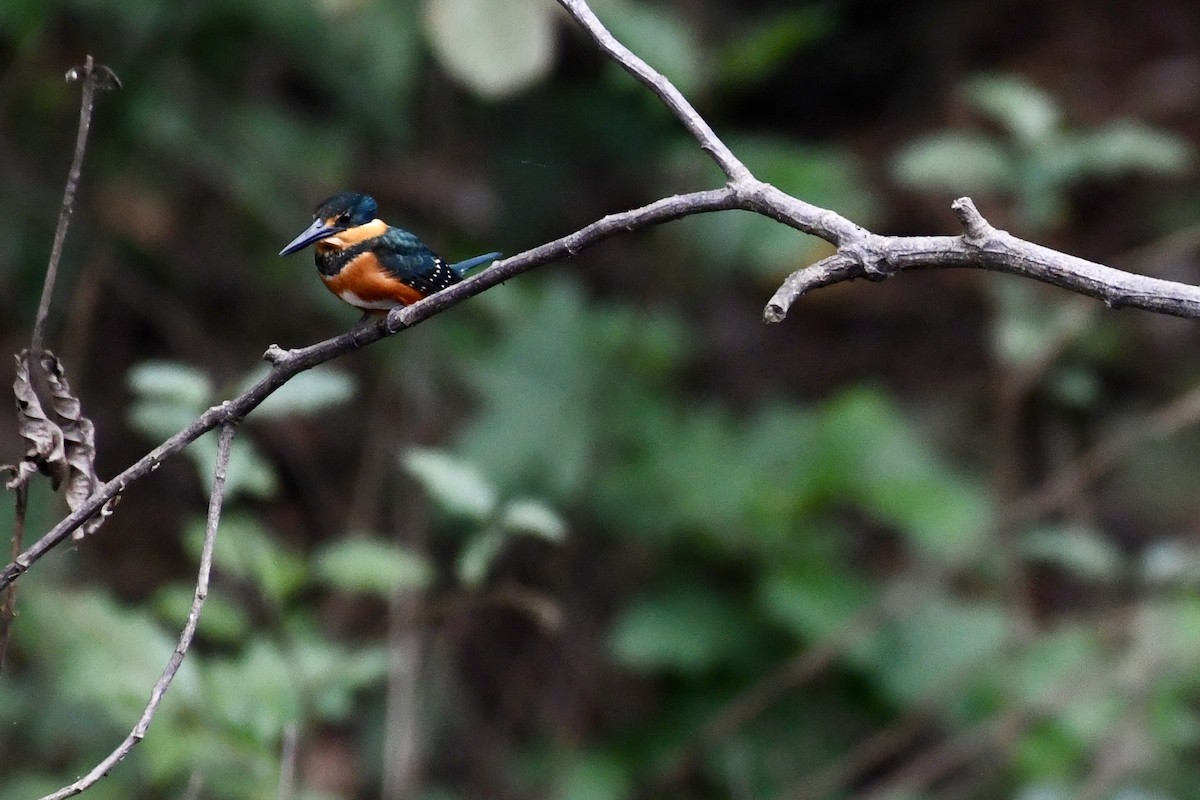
[871, 255]
[976, 229]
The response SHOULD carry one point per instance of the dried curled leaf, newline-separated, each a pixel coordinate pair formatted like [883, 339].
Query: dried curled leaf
[46, 452]
[63, 448]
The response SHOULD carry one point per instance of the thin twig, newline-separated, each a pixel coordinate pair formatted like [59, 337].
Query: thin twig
[1180, 413]
[653, 80]
[94, 76]
[8, 611]
[288, 756]
[195, 785]
[743, 708]
[215, 501]
[836, 779]
[402, 711]
[999, 732]
[951, 754]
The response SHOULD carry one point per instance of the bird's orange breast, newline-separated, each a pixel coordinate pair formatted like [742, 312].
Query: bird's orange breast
[365, 284]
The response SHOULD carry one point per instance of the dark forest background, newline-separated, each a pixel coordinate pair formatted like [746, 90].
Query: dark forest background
[600, 532]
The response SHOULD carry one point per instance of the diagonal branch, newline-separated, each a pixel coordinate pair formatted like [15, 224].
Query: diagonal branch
[860, 254]
[863, 254]
[286, 364]
[215, 501]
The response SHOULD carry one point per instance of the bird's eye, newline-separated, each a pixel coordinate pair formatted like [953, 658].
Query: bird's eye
[344, 217]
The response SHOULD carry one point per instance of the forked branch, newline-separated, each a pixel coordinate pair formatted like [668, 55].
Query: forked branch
[859, 254]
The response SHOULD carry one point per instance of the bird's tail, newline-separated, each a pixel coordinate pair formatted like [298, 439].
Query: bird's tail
[462, 267]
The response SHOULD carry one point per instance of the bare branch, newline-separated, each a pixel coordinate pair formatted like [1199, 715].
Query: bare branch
[985, 247]
[8, 608]
[860, 254]
[863, 254]
[288, 755]
[288, 363]
[94, 77]
[733, 168]
[215, 501]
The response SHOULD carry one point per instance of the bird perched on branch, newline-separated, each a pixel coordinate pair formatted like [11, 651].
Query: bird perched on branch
[371, 265]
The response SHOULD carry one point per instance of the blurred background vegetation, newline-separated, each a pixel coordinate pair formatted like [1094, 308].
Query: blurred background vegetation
[601, 533]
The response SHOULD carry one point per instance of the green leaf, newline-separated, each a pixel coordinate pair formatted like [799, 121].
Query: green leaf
[1130, 147]
[476, 558]
[453, 484]
[891, 473]
[258, 692]
[171, 381]
[917, 655]
[104, 656]
[17, 784]
[687, 475]
[955, 162]
[812, 597]
[1079, 550]
[1051, 665]
[159, 419]
[534, 518]
[1169, 630]
[594, 776]
[1029, 113]
[688, 630]
[247, 473]
[336, 674]
[1171, 562]
[245, 551]
[757, 53]
[1075, 386]
[660, 37]
[540, 390]
[306, 393]
[373, 567]
[495, 48]
[221, 619]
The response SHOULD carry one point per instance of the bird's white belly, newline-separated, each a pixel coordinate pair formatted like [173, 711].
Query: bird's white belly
[373, 305]
[358, 302]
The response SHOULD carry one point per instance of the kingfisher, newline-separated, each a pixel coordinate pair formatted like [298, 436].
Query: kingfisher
[371, 265]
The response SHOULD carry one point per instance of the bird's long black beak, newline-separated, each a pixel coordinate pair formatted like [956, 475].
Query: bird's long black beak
[320, 229]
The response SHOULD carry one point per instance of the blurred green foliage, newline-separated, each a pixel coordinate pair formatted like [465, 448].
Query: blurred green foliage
[1037, 157]
[616, 538]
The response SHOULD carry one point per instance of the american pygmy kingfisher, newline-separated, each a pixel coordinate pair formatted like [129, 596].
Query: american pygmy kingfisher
[371, 265]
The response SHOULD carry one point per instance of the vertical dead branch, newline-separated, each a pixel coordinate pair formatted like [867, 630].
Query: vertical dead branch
[288, 755]
[94, 77]
[67, 451]
[8, 611]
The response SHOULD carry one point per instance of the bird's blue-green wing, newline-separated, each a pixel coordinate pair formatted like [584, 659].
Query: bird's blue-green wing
[403, 254]
[411, 261]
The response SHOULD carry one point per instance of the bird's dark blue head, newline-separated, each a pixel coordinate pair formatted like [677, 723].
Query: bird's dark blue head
[339, 213]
